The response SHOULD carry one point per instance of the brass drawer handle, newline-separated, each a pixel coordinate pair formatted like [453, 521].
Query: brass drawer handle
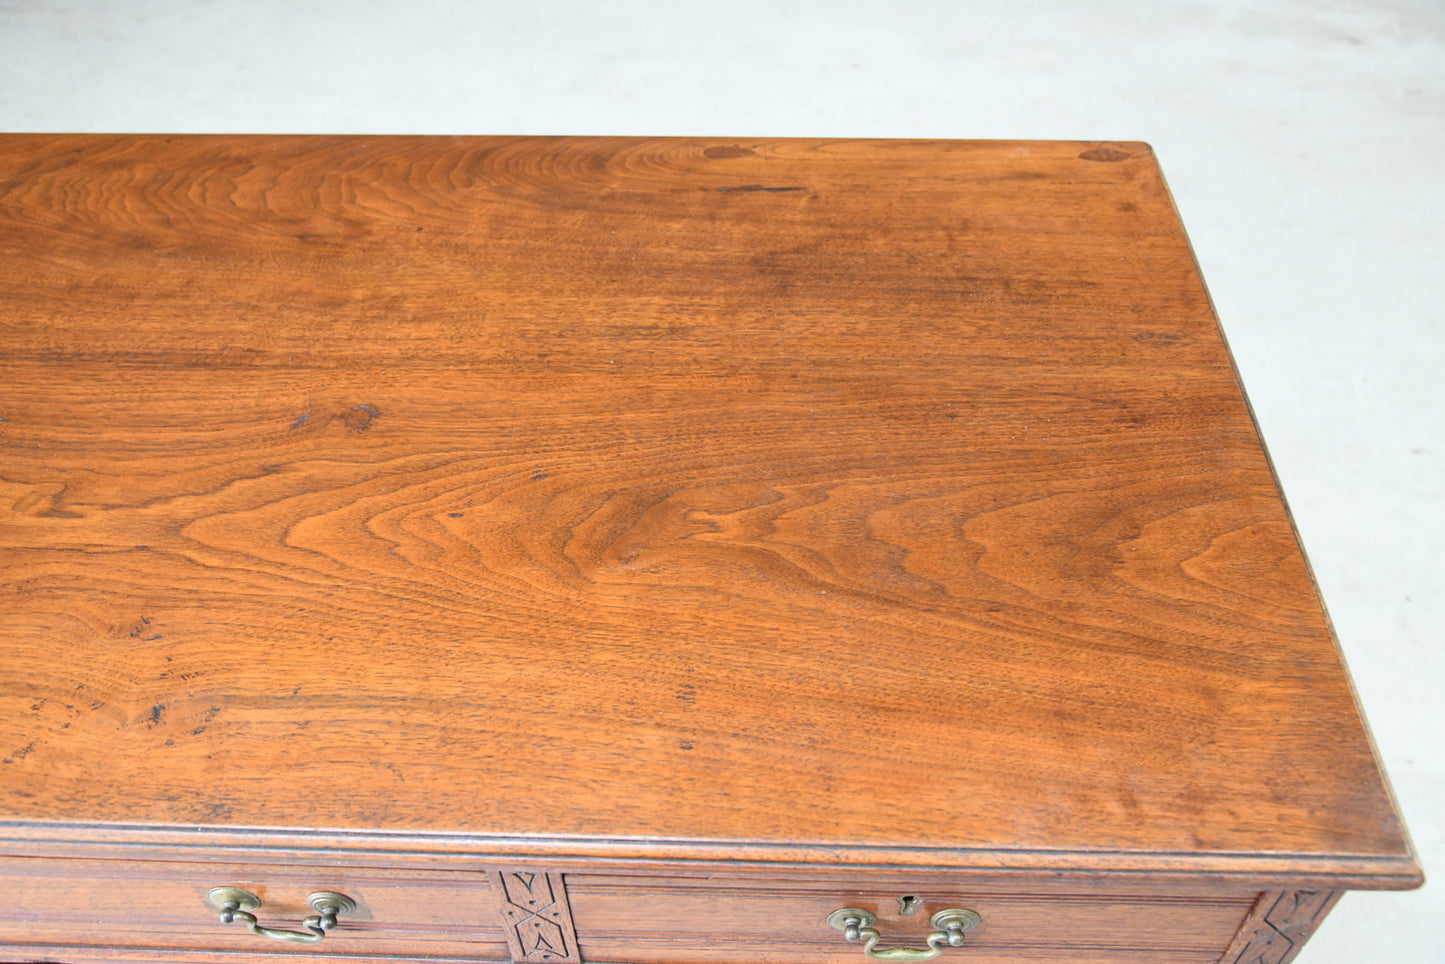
[236, 905]
[857, 925]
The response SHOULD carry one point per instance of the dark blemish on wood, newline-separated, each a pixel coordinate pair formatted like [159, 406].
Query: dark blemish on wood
[301, 420]
[1108, 155]
[218, 811]
[136, 633]
[758, 187]
[23, 752]
[198, 731]
[170, 743]
[722, 152]
[96, 704]
[210, 714]
[295, 691]
[157, 712]
[455, 515]
[1159, 337]
[360, 417]
[687, 693]
[539, 476]
[685, 746]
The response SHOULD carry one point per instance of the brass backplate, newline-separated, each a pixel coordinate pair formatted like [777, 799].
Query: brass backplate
[243, 899]
[838, 920]
[323, 899]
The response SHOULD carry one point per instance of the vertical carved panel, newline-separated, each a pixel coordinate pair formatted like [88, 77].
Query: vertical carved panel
[1279, 925]
[535, 916]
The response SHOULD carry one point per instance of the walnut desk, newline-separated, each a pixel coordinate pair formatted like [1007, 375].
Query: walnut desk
[646, 552]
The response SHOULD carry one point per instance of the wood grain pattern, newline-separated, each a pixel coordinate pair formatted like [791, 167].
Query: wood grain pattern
[75, 954]
[681, 919]
[161, 907]
[687, 495]
[661, 953]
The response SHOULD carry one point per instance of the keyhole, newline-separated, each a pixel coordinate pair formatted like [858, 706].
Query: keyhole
[908, 905]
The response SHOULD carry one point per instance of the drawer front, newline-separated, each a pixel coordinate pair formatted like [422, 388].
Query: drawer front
[142, 910]
[682, 921]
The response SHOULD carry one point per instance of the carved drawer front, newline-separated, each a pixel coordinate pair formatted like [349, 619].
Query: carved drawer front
[682, 921]
[159, 911]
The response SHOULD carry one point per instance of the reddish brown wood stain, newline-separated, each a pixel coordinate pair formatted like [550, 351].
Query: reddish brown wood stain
[814, 501]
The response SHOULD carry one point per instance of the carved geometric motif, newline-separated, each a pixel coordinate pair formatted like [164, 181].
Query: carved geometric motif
[535, 916]
[1282, 921]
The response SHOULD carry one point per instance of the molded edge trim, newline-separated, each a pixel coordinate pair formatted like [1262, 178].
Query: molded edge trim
[1294, 870]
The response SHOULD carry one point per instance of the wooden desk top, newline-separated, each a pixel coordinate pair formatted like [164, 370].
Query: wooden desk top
[825, 501]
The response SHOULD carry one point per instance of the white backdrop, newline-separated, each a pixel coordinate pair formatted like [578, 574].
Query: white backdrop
[1304, 141]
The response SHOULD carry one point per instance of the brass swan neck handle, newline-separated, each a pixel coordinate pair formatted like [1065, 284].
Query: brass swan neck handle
[949, 927]
[236, 904]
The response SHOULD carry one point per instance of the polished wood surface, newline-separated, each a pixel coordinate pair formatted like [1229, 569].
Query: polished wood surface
[785, 920]
[792, 500]
[160, 907]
